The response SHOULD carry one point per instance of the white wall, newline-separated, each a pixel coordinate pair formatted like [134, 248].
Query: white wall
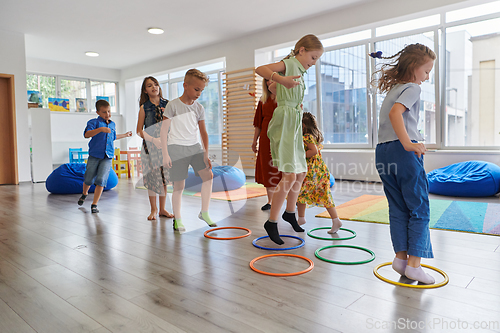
[67, 132]
[43, 66]
[67, 127]
[12, 61]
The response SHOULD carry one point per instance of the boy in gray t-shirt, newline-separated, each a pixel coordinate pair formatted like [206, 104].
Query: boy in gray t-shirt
[181, 147]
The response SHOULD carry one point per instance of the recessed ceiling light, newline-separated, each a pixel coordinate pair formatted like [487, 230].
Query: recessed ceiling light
[91, 54]
[155, 31]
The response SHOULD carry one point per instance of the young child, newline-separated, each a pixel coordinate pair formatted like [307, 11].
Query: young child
[101, 152]
[285, 129]
[184, 117]
[265, 173]
[152, 105]
[316, 186]
[399, 158]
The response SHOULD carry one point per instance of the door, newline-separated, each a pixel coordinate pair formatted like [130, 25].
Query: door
[8, 141]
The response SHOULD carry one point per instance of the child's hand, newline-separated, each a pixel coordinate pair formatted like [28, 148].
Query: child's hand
[167, 161]
[208, 163]
[417, 147]
[157, 142]
[105, 129]
[129, 133]
[289, 81]
[254, 147]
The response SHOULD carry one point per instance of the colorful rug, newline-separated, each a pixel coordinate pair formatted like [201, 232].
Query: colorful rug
[247, 191]
[476, 217]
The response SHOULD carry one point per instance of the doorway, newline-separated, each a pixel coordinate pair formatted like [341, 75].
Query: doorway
[8, 138]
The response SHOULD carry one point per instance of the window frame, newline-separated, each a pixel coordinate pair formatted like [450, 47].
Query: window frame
[440, 76]
[90, 107]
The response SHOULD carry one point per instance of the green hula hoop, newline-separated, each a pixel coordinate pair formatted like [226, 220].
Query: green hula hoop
[309, 233]
[345, 262]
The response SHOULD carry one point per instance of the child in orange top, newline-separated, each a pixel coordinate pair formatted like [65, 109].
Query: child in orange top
[315, 189]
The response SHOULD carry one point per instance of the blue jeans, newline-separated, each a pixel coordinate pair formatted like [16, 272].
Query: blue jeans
[97, 171]
[407, 190]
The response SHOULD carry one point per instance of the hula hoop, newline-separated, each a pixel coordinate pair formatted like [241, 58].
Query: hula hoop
[249, 232]
[309, 233]
[418, 286]
[316, 253]
[311, 264]
[254, 242]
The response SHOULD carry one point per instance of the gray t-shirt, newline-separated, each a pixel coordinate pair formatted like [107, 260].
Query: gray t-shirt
[407, 94]
[184, 126]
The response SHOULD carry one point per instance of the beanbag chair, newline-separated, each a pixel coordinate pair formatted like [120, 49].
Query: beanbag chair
[226, 178]
[68, 179]
[332, 180]
[466, 179]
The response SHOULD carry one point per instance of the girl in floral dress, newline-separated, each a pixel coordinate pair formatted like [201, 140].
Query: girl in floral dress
[152, 104]
[315, 189]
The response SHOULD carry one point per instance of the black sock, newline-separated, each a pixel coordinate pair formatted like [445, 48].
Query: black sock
[290, 218]
[272, 231]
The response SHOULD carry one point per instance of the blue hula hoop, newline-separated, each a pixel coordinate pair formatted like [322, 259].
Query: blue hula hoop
[254, 242]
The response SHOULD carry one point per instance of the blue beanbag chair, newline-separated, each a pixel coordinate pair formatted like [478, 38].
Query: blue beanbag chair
[332, 180]
[68, 179]
[226, 178]
[466, 179]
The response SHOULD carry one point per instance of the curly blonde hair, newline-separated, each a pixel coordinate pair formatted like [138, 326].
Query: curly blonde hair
[402, 67]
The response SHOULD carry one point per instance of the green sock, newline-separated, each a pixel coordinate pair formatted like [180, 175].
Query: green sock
[205, 217]
[178, 225]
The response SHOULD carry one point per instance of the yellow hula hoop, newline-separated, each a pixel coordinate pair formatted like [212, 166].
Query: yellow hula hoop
[417, 286]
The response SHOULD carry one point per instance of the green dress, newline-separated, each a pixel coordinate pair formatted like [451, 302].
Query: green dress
[285, 128]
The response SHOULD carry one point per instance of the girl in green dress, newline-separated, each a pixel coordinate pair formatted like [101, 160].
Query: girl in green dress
[285, 129]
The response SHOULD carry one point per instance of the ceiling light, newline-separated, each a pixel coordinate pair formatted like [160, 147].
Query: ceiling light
[155, 31]
[91, 54]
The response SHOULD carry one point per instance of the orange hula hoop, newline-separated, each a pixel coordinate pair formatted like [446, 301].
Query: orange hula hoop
[249, 232]
[311, 264]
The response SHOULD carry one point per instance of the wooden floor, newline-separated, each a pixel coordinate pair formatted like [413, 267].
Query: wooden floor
[63, 269]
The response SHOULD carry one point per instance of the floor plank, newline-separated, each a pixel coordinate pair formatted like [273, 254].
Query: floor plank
[64, 269]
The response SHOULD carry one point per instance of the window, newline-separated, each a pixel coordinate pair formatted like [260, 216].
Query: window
[103, 90]
[46, 85]
[210, 99]
[73, 89]
[467, 112]
[471, 111]
[82, 93]
[344, 96]
[427, 117]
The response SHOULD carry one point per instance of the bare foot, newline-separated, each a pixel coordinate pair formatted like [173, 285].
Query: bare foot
[166, 214]
[152, 216]
[301, 220]
[336, 224]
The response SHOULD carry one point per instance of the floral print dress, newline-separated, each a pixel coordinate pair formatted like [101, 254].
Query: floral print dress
[315, 189]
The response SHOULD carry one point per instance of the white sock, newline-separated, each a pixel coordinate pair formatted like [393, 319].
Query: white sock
[301, 220]
[399, 265]
[418, 274]
[336, 224]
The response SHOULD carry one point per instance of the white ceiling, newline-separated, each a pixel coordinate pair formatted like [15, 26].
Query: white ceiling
[63, 30]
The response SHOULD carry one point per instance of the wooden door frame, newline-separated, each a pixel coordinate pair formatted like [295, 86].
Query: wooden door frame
[12, 124]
